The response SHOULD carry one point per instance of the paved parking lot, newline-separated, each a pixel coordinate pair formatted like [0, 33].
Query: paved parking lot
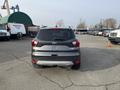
[100, 68]
[14, 49]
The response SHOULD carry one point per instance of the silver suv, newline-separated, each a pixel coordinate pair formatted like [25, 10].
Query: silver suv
[56, 47]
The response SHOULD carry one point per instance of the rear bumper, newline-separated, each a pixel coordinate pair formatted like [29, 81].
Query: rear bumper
[56, 60]
[58, 63]
[59, 58]
[55, 53]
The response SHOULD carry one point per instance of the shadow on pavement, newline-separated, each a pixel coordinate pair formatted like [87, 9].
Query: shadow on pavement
[16, 40]
[97, 59]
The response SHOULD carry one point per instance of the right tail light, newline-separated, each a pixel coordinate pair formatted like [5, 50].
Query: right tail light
[76, 43]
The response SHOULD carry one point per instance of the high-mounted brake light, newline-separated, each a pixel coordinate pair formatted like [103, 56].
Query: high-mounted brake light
[34, 43]
[76, 43]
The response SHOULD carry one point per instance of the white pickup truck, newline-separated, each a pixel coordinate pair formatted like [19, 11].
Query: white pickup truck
[15, 30]
[4, 34]
[114, 36]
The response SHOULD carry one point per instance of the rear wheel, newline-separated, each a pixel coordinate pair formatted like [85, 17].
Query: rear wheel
[19, 36]
[35, 65]
[8, 38]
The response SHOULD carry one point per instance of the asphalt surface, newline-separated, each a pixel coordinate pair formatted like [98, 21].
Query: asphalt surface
[14, 49]
[100, 68]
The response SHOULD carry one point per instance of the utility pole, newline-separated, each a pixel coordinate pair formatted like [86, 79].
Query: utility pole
[6, 6]
[0, 15]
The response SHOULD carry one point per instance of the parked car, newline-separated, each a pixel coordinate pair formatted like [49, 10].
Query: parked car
[91, 32]
[95, 33]
[100, 33]
[32, 31]
[106, 33]
[114, 36]
[83, 31]
[4, 34]
[56, 47]
[76, 32]
[15, 30]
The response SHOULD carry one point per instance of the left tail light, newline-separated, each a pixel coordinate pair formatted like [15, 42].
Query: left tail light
[34, 43]
[34, 61]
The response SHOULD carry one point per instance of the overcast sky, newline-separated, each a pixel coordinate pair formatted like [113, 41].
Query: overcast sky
[48, 12]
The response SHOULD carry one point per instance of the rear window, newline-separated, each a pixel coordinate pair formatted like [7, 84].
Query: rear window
[55, 35]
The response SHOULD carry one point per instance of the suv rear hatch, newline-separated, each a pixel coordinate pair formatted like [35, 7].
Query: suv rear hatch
[58, 41]
[55, 45]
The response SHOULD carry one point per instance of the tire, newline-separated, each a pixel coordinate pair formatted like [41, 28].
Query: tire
[8, 38]
[19, 36]
[32, 35]
[75, 67]
[36, 66]
[114, 42]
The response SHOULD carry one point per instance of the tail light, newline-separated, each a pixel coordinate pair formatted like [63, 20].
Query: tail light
[34, 43]
[77, 61]
[76, 43]
[34, 61]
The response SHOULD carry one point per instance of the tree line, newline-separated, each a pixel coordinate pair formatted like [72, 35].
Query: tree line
[109, 23]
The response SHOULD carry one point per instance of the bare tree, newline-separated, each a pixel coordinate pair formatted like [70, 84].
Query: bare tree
[82, 25]
[110, 23]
